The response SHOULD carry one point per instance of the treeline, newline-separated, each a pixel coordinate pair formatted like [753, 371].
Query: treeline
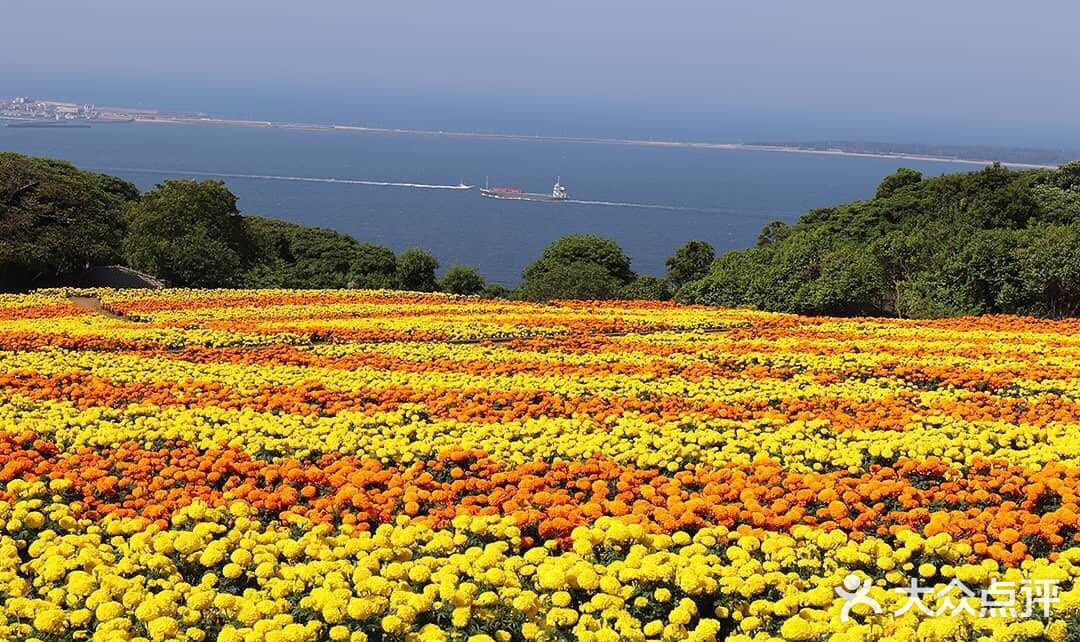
[190, 233]
[992, 241]
[982, 242]
[57, 220]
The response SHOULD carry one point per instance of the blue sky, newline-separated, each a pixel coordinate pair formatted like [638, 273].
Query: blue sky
[992, 60]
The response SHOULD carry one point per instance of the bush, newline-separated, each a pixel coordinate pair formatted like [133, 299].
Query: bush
[565, 266]
[462, 280]
[689, 263]
[496, 291]
[416, 270]
[1049, 271]
[373, 264]
[295, 256]
[584, 248]
[576, 280]
[897, 181]
[646, 288]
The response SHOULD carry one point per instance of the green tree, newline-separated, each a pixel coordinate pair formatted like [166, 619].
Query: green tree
[848, 281]
[983, 270]
[689, 263]
[582, 280]
[1057, 194]
[896, 181]
[374, 259]
[928, 295]
[784, 281]
[1049, 271]
[295, 256]
[773, 232]
[416, 270]
[373, 267]
[563, 269]
[191, 234]
[728, 282]
[56, 219]
[496, 291]
[645, 288]
[460, 279]
[584, 248]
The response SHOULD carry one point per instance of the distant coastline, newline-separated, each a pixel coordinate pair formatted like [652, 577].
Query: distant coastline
[47, 124]
[786, 148]
[29, 113]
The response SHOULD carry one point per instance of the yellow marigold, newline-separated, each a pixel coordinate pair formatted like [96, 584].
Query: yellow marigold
[109, 610]
[162, 628]
[560, 598]
[551, 577]
[418, 573]
[432, 633]
[459, 617]
[50, 620]
[34, 520]
[1057, 631]
[796, 628]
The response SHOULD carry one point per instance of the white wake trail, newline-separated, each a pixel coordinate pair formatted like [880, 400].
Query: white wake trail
[654, 206]
[356, 181]
[271, 177]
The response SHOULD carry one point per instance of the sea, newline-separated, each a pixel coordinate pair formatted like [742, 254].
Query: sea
[392, 189]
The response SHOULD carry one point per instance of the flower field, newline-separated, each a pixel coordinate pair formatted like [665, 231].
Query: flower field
[345, 465]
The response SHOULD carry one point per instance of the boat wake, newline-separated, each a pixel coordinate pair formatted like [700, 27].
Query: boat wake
[652, 206]
[271, 177]
[459, 186]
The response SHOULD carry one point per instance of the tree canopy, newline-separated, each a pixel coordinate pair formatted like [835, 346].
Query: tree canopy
[896, 181]
[296, 256]
[574, 280]
[569, 261]
[992, 241]
[646, 288]
[689, 263]
[55, 219]
[584, 248]
[460, 279]
[416, 270]
[190, 233]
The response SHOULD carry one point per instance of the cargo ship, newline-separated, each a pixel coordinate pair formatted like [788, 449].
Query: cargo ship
[558, 193]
